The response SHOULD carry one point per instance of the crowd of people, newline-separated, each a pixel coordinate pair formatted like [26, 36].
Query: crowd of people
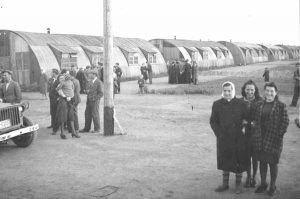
[182, 72]
[64, 95]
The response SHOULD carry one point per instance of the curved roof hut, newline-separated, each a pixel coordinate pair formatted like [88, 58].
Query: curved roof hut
[275, 52]
[206, 53]
[293, 51]
[26, 53]
[245, 53]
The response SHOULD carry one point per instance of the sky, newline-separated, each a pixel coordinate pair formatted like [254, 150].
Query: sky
[267, 22]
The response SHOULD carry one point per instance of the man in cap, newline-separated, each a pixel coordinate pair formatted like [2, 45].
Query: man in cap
[297, 86]
[53, 95]
[10, 91]
[94, 94]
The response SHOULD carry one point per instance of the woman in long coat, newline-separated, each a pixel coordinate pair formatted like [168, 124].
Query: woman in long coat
[43, 84]
[270, 124]
[251, 96]
[227, 117]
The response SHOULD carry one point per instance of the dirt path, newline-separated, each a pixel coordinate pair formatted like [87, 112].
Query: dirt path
[169, 152]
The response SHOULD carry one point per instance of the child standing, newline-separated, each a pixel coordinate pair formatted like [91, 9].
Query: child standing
[141, 83]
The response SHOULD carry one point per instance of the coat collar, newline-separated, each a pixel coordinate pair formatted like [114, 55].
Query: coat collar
[275, 104]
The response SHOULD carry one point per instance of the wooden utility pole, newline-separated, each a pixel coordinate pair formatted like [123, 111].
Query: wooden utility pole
[108, 69]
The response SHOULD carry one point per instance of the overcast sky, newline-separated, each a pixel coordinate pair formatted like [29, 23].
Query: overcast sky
[253, 21]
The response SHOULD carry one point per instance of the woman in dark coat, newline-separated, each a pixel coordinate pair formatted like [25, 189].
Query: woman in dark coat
[270, 124]
[43, 84]
[227, 117]
[65, 109]
[251, 96]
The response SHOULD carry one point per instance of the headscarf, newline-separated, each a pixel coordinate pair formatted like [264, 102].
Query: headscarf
[233, 89]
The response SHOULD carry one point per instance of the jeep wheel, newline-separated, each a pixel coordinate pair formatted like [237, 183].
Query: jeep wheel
[26, 139]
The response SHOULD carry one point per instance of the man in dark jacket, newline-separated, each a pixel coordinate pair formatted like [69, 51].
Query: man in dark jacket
[266, 75]
[53, 95]
[76, 100]
[228, 114]
[149, 68]
[187, 72]
[82, 80]
[94, 94]
[10, 91]
[296, 86]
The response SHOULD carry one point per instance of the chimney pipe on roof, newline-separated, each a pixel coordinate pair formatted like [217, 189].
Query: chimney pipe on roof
[48, 30]
[175, 37]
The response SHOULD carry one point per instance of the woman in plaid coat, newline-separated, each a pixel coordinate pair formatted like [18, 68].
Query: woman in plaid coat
[269, 126]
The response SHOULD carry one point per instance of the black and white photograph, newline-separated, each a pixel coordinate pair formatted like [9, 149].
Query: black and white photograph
[138, 99]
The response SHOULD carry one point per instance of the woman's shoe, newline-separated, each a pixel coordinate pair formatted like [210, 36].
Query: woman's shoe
[261, 188]
[53, 133]
[75, 135]
[248, 182]
[222, 188]
[63, 136]
[252, 182]
[272, 191]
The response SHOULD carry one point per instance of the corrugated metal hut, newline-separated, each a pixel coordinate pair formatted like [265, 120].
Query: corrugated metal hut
[275, 52]
[26, 53]
[293, 51]
[206, 53]
[245, 53]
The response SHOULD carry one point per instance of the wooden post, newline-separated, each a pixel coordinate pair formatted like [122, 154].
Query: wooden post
[108, 70]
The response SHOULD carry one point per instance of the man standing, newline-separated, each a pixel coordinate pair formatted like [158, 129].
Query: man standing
[194, 72]
[119, 73]
[53, 95]
[149, 68]
[76, 100]
[94, 94]
[188, 69]
[10, 91]
[296, 87]
[82, 80]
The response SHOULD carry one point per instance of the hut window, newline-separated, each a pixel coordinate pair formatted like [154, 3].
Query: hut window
[205, 55]
[136, 60]
[152, 58]
[219, 55]
[226, 54]
[133, 59]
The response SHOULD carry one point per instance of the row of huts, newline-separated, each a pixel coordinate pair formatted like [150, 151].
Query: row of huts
[27, 53]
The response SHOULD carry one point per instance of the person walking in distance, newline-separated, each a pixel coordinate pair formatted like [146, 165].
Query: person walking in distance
[296, 86]
[266, 75]
[227, 117]
[94, 94]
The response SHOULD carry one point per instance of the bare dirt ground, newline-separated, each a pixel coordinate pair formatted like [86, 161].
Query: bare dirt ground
[169, 151]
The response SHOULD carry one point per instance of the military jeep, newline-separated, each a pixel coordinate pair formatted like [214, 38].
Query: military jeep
[15, 126]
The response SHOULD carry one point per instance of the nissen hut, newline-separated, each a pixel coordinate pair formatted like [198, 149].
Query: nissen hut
[245, 53]
[26, 54]
[207, 54]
